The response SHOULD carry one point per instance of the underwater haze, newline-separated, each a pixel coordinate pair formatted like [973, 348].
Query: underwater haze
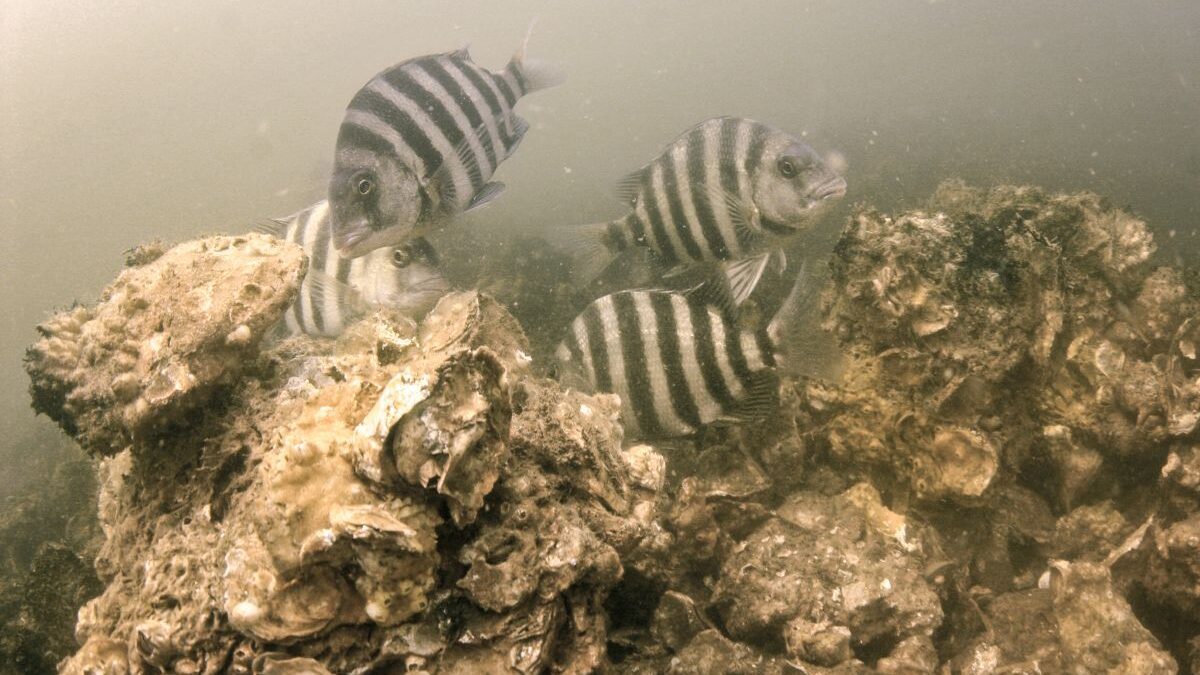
[126, 121]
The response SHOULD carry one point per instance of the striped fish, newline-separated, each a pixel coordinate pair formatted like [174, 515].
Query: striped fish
[676, 363]
[721, 194]
[338, 290]
[420, 142]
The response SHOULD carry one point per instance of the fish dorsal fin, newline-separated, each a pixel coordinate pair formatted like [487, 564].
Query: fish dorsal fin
[486, 194]
[630, 185]
[463, 53]
[744, 275]
[276, 227]
[347, 296]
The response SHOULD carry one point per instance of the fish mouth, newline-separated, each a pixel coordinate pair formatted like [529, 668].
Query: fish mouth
[830, 189]
[349, 241]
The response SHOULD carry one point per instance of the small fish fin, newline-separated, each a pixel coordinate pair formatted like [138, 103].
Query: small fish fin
[801, 345]
[799, 303]
[716, 292]
[534, 73]
[591, 252]
[780, 261]
[744, 275]
[276, 227]
[440, 184]
[744, 216]
[463, 53]
[516, 128]
[761, 400]
[486, 194]
[347, 296]
[439, 192]
[630, 185]
[466, 156]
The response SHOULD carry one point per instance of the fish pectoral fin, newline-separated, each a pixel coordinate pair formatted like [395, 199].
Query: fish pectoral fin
[440, 184]
[347, 296]
[744, 216]
[744, 275]
[485, 196]
[761, 400]
[629, 185]
[466, 156]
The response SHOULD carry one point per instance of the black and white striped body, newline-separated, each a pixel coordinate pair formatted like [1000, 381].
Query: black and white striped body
[420, 143]
[423, 110]
[337, 290]
[723, 194]
[680, 209]
[676, 363]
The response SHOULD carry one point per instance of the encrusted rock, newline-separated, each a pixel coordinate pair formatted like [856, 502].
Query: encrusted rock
[711, 652]
[1096, 629]
[301, 531]
[157, 347]
[944, 311]
[456, 437]
[845, 561]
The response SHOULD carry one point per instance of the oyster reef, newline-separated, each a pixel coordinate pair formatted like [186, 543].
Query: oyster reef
[1005, 477]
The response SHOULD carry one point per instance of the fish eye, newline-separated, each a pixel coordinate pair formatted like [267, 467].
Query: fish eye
[787, 167]
[363, 184]
[401, 257]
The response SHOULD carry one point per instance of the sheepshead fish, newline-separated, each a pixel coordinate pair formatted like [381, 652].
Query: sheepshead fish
[338, 290]
[677, 362]
[420, 142]
[722, 194]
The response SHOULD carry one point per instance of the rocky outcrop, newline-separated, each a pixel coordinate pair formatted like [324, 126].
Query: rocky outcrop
[390, 501]
[1004, 478]
[172, 331]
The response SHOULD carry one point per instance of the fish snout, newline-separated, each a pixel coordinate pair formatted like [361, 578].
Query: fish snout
[346, 241]
[835, 188]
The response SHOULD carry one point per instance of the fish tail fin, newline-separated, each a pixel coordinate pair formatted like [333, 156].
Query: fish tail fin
[594, 247]
[800, 344]
[533, 74]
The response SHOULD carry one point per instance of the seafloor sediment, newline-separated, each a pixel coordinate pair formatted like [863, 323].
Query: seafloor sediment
[1006, 478]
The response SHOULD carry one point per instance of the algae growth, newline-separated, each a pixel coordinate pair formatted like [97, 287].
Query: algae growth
[1005, 478]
